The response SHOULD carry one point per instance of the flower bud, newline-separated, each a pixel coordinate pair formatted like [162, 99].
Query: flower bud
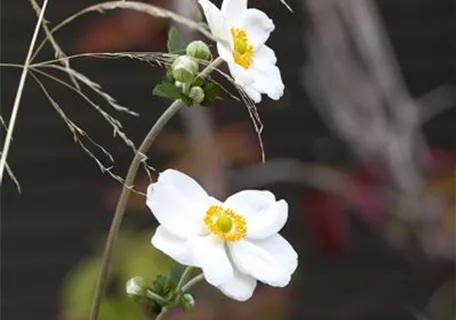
[136, 287]
[196, 94]
[184, 69]
[198, 50]
[189, 299]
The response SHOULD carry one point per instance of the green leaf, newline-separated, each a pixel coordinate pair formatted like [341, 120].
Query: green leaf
[187, 100]
[211, 92]
[198, 82]
[167, 90]
[176, 44]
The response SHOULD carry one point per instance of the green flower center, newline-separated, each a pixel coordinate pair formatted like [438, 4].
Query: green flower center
[224, 224]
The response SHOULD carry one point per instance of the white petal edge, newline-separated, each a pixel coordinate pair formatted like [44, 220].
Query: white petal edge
[210, 254]
[267, 222]
[268, 79]
[281, 250]
[249, 202]
[255, 261]
[216, 21]
[232, 9]
[240, 287]
[180, 215]
[257, 25]
[173, 246]
[186, 184]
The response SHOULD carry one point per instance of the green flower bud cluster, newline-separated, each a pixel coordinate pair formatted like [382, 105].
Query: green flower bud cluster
[185, 68]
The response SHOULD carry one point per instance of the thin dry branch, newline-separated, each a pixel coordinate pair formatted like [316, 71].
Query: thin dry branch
[139, 7]
[58, 51]
[78, 132]
[19, 92]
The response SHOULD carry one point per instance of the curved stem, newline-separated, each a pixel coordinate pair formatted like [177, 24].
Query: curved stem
[184, 277]
[192, 282]
[161, 315]
[19, 91]
[123, 200]
[152, 295]
[126, 191]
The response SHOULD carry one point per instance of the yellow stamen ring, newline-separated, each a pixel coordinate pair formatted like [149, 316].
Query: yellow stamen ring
[243, 51]
[225, 223]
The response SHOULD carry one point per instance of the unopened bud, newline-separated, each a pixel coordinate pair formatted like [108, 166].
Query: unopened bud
[196, 94]
[136, 287]
[184, 69]
[189, 299]
[198, 50]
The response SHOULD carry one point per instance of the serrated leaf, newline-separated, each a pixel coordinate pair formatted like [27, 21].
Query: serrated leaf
[198, 82]
[169, 74]
[187, 100]
[211, 92]
[167, 90]
[176, 44]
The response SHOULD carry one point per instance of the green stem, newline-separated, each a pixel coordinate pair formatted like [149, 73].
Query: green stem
[192, 282]
[126, 191]
[184, 277]
[162, 314]
[152, 295]
[123, 201]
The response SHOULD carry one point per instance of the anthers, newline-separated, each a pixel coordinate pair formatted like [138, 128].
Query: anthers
[225, 223]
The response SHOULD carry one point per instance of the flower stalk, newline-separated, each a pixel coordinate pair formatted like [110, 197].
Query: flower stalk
[126, 191]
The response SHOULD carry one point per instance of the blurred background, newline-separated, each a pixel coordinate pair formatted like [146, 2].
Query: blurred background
[362, 146]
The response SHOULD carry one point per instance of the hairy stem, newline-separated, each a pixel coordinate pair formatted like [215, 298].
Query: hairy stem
[154, 296]
[126, 191]
[192, 282]
[184, 277]
[19, 92]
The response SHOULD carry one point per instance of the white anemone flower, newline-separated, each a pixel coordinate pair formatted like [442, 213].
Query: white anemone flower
[242, 34]
[235, 242]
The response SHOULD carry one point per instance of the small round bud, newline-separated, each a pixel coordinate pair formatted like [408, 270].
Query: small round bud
[189, 299]
[184, 69]
[196, 94]
[198, 50]
[136, 287]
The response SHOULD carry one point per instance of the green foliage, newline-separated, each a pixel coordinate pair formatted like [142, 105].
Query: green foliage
[167, 90]
[211, 92]
[176, 43]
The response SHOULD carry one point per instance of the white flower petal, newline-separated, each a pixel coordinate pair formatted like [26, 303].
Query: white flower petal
[240, 287]
[281, 250]
[252, 93]
[249, 202]
[257, 25]
[217, 22]
[267, 222]
[255, 261]
[225, 52]
[187, 185]
[173, 246]
[265, 54]
[267, 79]
[232, 9]
[178, 203]
[211, 256]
